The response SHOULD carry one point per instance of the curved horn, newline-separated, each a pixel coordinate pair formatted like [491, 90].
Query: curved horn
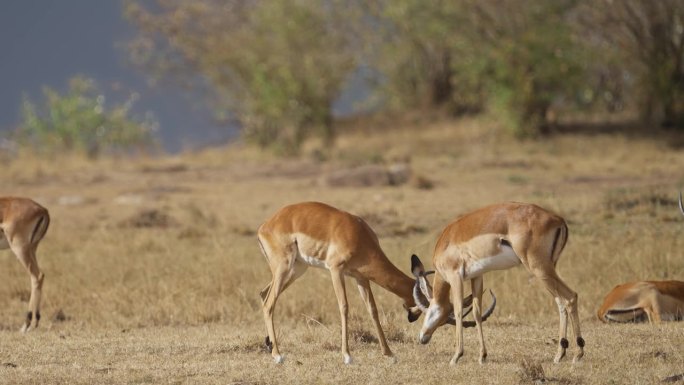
[485, 315]
[421, 299]
[422, 292]
[681, 207]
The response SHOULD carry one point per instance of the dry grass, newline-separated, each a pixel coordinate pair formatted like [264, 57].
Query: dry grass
[153, 273]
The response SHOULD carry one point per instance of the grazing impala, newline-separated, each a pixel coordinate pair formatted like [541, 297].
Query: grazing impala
[23, 224]
[652, 301]
[496, 237]
[315, 234]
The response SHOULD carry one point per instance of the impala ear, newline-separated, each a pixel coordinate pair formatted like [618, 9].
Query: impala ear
[417, 266]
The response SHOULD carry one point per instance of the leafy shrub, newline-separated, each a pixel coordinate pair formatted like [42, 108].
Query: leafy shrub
[80, 121]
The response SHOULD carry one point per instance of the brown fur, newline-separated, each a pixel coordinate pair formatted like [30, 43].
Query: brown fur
[313, 233]
[658, 300]
[24, 223]
[537, 236]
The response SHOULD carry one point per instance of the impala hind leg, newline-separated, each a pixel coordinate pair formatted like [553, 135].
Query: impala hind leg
[562, 329]
[567, 305]
[284, 273]
[26, 254]
[367, 296]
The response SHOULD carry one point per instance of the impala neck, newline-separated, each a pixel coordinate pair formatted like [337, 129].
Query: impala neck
[384, 273]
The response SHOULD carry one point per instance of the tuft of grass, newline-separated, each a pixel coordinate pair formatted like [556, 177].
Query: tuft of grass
[531, 371]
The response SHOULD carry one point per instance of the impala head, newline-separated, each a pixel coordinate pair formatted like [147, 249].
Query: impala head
[438, 313]
[414, 312]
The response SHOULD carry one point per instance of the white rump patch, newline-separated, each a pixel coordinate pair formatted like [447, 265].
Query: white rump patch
[505, 259]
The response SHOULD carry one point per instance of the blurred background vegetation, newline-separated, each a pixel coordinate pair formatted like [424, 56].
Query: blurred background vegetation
[276, 68]
[81, 121]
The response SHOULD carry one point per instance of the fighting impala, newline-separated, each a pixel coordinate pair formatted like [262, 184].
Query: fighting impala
[315, 234]
[496, 237]
[641, 301]
[23, 224]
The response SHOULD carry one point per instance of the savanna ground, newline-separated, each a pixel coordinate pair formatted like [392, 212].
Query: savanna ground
[153, 271]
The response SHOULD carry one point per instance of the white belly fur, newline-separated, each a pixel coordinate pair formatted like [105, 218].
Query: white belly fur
[505, 259]
[311, 261]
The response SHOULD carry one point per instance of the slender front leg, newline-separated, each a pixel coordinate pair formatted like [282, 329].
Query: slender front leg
[457, 299]
[476, 286]
[340, 292]
[367, 296]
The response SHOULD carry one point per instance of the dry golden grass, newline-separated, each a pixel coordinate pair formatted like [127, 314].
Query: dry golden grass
[153, 272]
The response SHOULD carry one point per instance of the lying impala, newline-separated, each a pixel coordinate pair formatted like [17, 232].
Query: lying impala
[652, 301]
[315, 234]
[23, 224]
[496, 237]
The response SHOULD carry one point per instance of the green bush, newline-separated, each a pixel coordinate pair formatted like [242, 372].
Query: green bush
[80, 121]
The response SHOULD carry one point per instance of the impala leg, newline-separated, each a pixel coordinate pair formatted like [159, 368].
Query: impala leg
[338, 284]
[476, 286]
[568, 298]
[457, 299]
[563, 329]
[27, 257]
[367, 296]
[274, 290]
[283, 276]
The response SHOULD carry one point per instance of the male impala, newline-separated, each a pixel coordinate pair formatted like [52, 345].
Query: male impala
[496, 237]
[23, 224]
[654, 301]
[315, 234]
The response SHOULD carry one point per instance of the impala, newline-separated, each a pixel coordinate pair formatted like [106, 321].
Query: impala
[315, 234]
[23, 224]
[496, 237]
[654, 301]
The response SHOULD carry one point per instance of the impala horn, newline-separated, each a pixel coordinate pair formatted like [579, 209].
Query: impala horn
[681, 207]
[422, 291]
[467, 302]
